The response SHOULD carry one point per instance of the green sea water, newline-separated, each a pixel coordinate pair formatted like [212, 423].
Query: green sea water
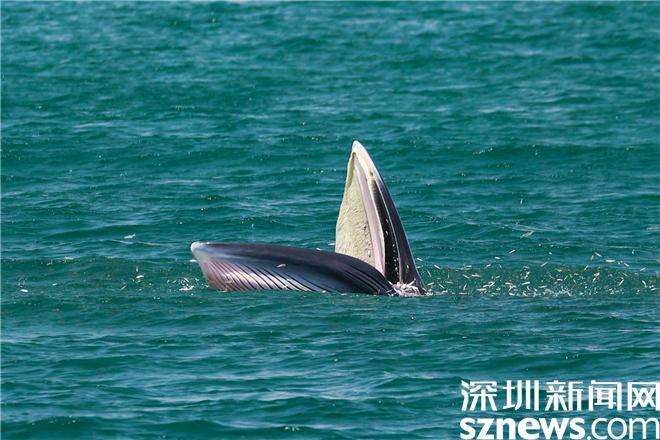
[520, 142]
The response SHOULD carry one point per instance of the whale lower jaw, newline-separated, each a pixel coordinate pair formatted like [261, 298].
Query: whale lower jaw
[233, 267]
[241, 266]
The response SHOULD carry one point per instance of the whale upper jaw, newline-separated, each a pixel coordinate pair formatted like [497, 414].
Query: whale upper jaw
[372, 254]
[369, 227]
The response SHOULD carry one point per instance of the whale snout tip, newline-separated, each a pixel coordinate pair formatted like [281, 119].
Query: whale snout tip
[357, 146]
[196, 246]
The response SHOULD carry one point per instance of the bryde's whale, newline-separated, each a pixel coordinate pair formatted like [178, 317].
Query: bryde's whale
[372, 254]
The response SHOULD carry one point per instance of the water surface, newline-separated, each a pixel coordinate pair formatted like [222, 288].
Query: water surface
[519, 141]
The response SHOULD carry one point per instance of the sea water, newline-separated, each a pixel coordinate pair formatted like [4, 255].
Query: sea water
[520, 143]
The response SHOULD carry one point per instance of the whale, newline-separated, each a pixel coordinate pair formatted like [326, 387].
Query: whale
[372, 253]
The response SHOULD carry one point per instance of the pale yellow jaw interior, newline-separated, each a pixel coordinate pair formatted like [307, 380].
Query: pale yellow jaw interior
[359, 232]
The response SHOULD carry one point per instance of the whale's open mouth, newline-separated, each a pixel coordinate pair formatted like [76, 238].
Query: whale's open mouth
[372, 251]
[369, 227]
